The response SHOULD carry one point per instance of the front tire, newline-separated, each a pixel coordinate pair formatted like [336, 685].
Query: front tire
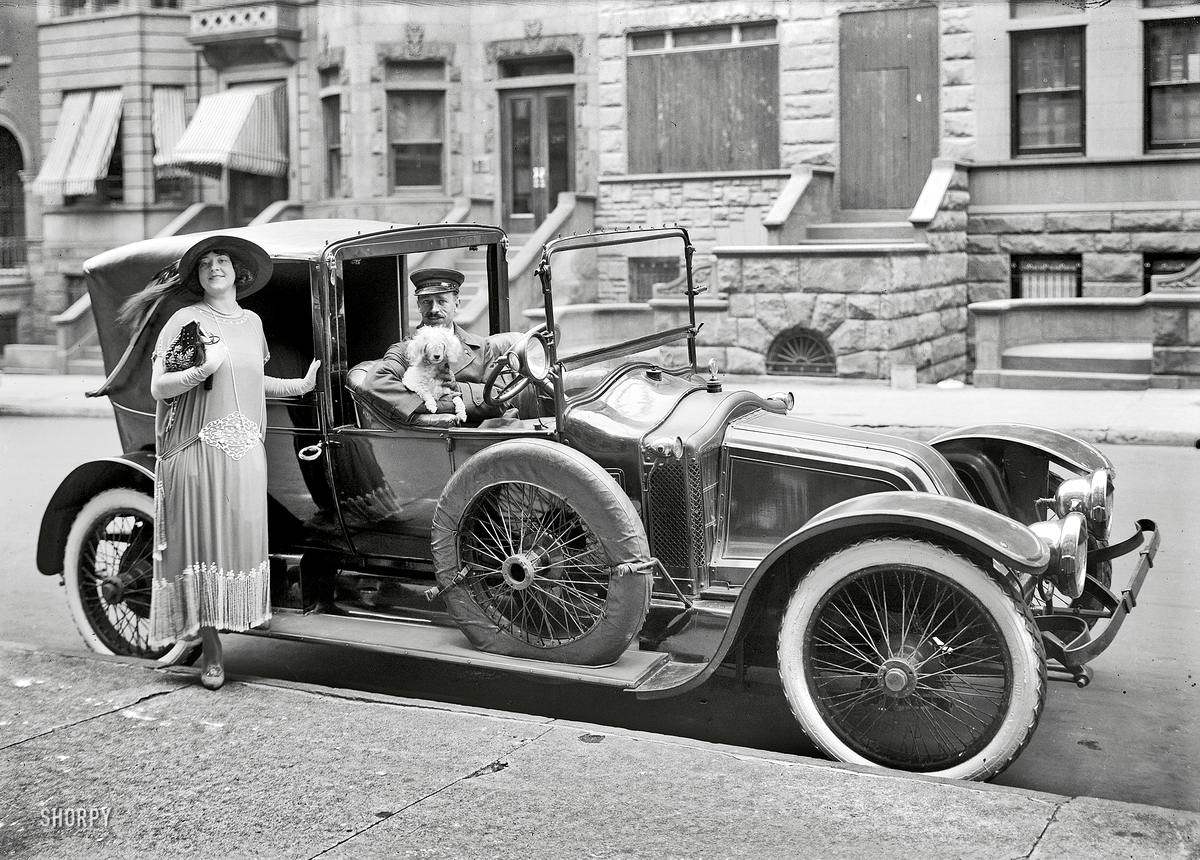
[108, 568]
[898, 653]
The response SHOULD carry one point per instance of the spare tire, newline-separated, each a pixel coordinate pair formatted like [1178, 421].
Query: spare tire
[543, 555]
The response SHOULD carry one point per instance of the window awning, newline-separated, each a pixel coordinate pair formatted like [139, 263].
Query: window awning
[83, 143]
[241, 129]
[168, 121]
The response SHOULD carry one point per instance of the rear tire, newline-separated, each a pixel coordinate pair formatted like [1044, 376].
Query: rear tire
[899, 653]
[108, 569]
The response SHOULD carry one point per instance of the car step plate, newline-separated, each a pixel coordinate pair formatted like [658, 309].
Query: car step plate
[449, 645]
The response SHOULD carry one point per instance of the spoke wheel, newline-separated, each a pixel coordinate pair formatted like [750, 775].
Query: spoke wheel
[109, 569]
[542, 555]
[536, 569]
[902, 654]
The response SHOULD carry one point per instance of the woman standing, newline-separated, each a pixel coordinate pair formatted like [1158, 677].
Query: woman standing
[211, 571]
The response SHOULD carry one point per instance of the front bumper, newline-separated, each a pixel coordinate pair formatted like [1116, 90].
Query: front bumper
[1073, 636]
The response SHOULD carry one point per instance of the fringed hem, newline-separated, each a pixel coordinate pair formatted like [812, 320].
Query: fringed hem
[205, 595]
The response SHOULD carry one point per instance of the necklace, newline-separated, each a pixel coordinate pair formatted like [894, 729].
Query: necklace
[236, 315]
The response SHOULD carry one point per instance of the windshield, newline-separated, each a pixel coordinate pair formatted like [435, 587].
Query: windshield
[620, 296]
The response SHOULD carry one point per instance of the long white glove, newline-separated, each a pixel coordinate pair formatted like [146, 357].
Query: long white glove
[275, 387]
[165, 384]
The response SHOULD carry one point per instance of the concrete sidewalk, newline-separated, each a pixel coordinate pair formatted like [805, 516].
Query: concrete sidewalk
[280, 770]
[1153, 417]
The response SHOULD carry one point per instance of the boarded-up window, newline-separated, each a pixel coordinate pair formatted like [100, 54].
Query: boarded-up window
[1048, 94]
[704, 99]
[1044, 277]
[1173, 84]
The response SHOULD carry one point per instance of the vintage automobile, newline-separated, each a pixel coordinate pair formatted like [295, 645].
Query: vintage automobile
[630, 521]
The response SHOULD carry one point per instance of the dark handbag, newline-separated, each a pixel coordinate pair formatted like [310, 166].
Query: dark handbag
[187, 350]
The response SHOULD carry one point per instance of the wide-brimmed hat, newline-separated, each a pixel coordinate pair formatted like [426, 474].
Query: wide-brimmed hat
[244, 251]
[431, 281]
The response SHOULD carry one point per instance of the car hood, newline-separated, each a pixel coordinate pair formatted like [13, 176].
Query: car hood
[915, 463]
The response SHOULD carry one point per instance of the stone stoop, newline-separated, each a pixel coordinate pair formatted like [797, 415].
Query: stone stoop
[89, 360]
[864, 226]
[474, 269]
[1089, 365]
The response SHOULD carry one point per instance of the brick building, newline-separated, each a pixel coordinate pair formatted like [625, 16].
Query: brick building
[853, 174]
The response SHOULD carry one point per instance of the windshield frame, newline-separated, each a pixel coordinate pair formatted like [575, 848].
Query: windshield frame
[634, 345]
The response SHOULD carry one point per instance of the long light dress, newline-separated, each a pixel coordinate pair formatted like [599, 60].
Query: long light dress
[210, 557]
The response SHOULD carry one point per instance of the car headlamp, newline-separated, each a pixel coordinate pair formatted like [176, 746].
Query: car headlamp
[1066, 539]
[1091, 496]
[535, 360]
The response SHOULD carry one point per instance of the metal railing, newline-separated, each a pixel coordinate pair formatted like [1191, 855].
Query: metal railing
[12, 252]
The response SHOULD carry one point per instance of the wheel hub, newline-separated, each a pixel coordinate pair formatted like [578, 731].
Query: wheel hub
[518, 571]
[898, 678]
[113, 590]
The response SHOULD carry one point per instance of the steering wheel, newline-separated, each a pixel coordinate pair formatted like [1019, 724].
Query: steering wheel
[507, 377]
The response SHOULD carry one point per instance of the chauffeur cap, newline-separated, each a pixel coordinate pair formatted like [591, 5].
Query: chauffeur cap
[432, 281]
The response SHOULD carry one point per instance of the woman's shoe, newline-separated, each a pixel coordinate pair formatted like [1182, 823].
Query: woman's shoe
[212, 676]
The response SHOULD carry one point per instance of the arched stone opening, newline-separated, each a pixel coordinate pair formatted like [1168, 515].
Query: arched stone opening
[801, 351]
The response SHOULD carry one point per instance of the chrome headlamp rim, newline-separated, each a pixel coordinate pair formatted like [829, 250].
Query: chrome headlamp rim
[1067, 540]
[533, 356]
[1100, 503]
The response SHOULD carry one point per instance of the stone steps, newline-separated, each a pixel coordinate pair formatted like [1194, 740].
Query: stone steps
[1112, 357]
[860, 232]
[1061, 380]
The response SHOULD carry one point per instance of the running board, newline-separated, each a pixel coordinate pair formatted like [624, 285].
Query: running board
[449, 645]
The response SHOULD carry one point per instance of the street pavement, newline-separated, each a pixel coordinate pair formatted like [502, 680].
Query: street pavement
[105, 758]
[301, 770]
[1153, 417]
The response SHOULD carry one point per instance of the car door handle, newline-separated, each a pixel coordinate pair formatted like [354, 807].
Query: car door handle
[313, 452]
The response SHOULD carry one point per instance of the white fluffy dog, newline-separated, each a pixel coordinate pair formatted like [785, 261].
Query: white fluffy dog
[431, 353]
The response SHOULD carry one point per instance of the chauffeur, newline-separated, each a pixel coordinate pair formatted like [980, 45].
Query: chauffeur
[437, 302]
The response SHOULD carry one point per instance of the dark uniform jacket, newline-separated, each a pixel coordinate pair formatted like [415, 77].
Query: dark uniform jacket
[387, 393]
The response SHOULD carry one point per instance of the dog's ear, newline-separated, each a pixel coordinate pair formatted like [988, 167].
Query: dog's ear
[412, 352]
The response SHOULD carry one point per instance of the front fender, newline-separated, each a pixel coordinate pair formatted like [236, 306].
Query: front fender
[1075, 454]
[134, 470]
[921, 515]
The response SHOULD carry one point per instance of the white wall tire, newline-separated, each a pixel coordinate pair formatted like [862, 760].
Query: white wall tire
[107, 568]
[899, 653]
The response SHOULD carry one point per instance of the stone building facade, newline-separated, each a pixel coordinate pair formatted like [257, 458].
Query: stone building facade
[853, 173]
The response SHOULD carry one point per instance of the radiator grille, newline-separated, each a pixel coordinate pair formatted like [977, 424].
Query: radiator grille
[682, 511]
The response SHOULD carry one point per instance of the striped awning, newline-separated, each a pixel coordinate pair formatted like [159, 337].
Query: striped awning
[244, 128]
[168, 121]
[83, 143]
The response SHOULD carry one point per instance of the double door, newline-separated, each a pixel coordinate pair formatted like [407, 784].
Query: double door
[538, 135]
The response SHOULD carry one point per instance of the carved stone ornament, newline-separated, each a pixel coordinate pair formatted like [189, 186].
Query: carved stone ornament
[414, 39]
[533, 28]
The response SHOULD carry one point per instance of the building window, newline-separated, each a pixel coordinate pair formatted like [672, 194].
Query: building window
[1163, 264]
[1048, 92]
[1046, 277]
[415, 125]
[165, 4]
[172, 185]
[704, 99]
[1172, 84]
[549, 64]
[645, 272]
[331, 117]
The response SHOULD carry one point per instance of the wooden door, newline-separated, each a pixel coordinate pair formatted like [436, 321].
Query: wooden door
[889, 106]
[538, 153]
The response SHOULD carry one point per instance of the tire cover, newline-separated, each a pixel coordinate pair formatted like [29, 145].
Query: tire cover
[596, 498]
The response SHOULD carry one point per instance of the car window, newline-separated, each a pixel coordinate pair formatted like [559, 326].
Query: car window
[371, 294]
